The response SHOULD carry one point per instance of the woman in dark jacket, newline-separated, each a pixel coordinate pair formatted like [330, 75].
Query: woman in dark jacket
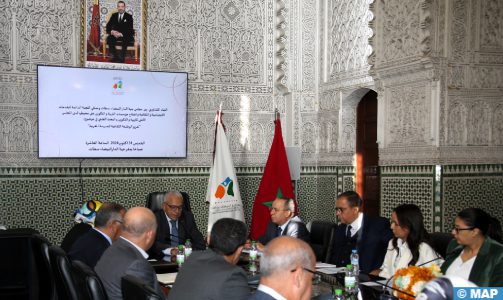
[473, 254]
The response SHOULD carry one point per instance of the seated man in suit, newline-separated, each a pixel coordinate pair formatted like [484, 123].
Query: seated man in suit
[84, 217]
[283, 222]
[120, 29]
[174, 227]
[213, 274]
[286, 268]
[128, 256]
[369, 235]
[107, 228]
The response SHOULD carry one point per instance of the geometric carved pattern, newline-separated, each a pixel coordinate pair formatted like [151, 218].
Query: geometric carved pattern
[472, 186]
[411, 184]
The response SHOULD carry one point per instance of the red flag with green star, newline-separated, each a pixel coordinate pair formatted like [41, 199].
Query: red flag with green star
[276, 182]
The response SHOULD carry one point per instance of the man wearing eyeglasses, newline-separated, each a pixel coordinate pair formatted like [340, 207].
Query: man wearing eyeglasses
[369, 235]
[107, 229]
[286, 268]
[283, 222]
[174, 227]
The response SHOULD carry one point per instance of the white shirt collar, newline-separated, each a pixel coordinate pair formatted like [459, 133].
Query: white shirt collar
[143, 253]
[357, 224]
[103, 234]
[270, 292]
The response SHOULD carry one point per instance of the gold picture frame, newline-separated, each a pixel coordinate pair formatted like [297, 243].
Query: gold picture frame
[94, 48]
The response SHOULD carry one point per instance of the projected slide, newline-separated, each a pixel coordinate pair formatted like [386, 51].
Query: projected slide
[86, 113]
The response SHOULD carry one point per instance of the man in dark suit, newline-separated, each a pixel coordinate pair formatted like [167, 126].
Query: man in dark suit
[369, 235]
[286, 268]
[213, 274]
[174, 226]
[107, 228]
[283, 222]
[120, 29]
[128, 256]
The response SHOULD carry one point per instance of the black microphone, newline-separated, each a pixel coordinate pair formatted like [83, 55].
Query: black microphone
[425, 263]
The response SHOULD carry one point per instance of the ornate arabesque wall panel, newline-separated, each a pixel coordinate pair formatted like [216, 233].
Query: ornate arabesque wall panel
[52, 194]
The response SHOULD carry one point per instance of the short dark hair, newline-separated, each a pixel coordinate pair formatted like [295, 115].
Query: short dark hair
[108, 212]
[227, 235]
[121, 2]
[352, 197]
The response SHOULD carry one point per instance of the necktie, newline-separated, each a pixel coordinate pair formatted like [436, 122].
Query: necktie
[348, 234]
[278, 231]
[174, 234]
[120, 18]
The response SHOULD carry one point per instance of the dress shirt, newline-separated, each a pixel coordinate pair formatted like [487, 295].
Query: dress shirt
[143, 253]
[460, 268]
[270, 292]
[357, 224]
[103, 234]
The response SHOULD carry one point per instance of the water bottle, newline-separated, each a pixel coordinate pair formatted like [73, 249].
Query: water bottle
[338, 294]
[350, 282]
[180, 257]
[252, 267]
[188, 248]
[253, 251]
[355, 261]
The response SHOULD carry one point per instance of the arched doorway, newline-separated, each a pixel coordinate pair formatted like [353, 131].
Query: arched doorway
[367, 155]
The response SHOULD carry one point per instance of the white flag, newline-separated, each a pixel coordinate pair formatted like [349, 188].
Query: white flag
[223, 190]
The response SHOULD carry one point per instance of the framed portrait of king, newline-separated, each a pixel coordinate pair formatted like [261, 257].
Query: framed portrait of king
[113, 34]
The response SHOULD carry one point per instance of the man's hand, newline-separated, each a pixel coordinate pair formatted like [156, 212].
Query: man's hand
[174, 252]
[116, 34]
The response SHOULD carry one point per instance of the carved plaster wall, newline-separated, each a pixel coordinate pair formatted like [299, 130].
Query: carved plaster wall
[438, 65]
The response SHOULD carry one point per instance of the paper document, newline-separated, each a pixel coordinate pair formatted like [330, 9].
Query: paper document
[374, 283]
[324, 265]
[331, 270]
[166, 278]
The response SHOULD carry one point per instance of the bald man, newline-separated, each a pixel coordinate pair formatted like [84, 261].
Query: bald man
[285, 267]
[128, 256]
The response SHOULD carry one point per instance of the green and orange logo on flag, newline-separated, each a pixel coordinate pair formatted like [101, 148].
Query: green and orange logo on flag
[226, 185]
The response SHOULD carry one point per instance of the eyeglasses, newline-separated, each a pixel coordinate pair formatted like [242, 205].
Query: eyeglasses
[277, 209]
[461, 229]
[340, 209]
[175, 207]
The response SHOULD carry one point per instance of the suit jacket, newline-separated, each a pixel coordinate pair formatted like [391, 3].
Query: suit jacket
[76, 232]
[259, 295]
[295, 228]
[206, 275]
[187, 229]
[89, 248]
[372, 244]
[125, 26]
[122, 259]
[487, 269]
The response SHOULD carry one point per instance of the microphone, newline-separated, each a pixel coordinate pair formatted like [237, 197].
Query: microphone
[425, 263]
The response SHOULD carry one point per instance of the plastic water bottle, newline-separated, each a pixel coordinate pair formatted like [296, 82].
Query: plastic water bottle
[253, 251]
[252, 267]
[350, 283]
[338, 294]
[188, 248]
[355, 261]
[180, 257]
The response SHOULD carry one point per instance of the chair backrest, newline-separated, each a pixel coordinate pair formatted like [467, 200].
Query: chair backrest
[155, 200]
[46, 282]
[439, 242]
[63, 276]
[133, 288]
[321, 235]
[89, 285]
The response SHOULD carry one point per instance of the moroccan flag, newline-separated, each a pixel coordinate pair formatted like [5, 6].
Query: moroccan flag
[223, 190]
[275, 182]
[94, 35]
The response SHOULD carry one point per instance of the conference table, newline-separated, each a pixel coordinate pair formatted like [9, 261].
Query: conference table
[323, 284]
